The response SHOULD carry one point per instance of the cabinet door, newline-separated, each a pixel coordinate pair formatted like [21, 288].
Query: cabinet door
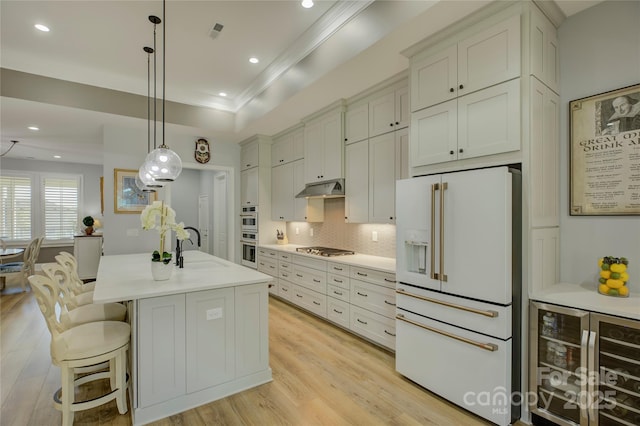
[356, 123]
[544, 155]
[299, 204]
[297, 142]
[434, 79]
[402, 115]
[281, 150]
[333, 143]
[249, 156]
[382, 178]
[434, 136]
[282, 192]
[489, 57]
[313, 151]
[161, 339]
[382, 114]
[249, 187]
[252, 328]
[544, 53]
[402, 154]
[210, 338]
[357, 182]
[489, 121]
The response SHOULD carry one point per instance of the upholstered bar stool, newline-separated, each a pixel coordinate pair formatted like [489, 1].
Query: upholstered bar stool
[81, 347]
[69, 261]
[72, 314]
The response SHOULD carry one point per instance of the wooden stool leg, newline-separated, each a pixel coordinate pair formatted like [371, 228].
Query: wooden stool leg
[68, 394]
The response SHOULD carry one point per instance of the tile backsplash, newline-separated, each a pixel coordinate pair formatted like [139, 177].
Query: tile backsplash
[334, 232]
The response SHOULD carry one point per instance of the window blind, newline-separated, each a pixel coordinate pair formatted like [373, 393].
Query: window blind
[15, 207]
[60, 207]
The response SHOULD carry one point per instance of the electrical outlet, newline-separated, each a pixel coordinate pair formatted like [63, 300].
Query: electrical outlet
[297, 231]
[374, 236]
[311, 232]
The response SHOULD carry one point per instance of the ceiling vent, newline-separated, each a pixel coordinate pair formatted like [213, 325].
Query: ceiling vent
[216, 30]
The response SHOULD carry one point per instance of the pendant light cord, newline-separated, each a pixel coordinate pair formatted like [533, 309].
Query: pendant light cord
[155, 102]
[164, 61]
[148, 100]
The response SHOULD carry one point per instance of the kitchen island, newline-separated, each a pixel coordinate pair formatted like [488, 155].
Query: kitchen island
[195, 338]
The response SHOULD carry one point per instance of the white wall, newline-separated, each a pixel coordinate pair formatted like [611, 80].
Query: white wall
[599, 51]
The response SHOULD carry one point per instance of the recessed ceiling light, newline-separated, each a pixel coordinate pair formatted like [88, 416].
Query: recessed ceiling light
[57, 156]
[307, 4]
[33, 128]
[222, 94]
[254, 60]
[42, 28]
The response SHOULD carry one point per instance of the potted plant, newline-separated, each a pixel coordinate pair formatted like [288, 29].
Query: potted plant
[88, 222]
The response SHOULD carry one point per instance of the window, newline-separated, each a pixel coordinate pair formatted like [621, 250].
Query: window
[35, 204]
[15, 207]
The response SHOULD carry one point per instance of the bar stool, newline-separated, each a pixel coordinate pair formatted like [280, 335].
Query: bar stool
[81, 347]
[72, 314]
[69, 261]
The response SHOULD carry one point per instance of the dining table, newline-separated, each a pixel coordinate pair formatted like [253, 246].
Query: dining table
[7, 254]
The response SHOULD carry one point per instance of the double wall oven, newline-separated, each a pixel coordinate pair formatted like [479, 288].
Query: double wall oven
[249, 236]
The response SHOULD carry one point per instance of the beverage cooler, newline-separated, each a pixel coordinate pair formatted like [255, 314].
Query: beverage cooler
[584, 367]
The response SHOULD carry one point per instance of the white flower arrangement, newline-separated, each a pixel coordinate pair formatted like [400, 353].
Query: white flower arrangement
[163, 218]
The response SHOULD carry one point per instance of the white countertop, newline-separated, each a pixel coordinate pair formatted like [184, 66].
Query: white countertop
[587, 297]
[128, 276]
[379, 263]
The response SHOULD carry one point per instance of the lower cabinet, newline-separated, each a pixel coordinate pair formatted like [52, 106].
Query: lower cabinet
[194, 341]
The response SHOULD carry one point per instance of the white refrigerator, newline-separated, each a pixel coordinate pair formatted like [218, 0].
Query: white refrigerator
[458, 293]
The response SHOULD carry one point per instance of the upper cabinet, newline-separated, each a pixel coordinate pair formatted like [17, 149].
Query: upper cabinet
[489, 57]
[249, 156]
[323, 146]
[389, 111]
[543, 40]
[356, 123]
[288, 146]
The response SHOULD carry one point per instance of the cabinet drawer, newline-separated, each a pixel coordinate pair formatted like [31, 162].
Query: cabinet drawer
[285, 289]
[310, 300]
[285, 266]
[337, 292]
[285, 275]
[338, 268]
[380, 329]
[381, 300]
[386, 279]
[285, 256]
[310, 278]
[338, 280]
[267, 252]
[318, 264]
[268, 266]
[338, 311]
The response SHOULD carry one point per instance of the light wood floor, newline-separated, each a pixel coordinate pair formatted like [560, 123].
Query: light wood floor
[322, 375]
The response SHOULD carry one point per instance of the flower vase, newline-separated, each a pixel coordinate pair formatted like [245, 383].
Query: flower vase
[161, 271]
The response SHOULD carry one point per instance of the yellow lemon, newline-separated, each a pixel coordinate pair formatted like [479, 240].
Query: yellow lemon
[600, 261]
[605, 274]
[618, 267]
[614, 283]
[624, 277]
[603, 288]
[624, 291]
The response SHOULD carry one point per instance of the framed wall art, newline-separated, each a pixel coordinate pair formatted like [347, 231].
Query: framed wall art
[127, 197]
[605, 153]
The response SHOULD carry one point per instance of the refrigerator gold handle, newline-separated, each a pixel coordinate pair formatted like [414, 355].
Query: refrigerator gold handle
[490, 314]
[584, 402]
[486, 346]
[592, 398]
[443, 276]
[434, 188]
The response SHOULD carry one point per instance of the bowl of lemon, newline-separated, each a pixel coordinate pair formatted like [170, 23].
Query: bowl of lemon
[613, 276]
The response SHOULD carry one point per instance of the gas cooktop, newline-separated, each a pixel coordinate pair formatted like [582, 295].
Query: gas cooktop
[324, 251]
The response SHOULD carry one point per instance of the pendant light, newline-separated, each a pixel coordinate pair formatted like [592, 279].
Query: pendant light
[144, 181]
[163, 164]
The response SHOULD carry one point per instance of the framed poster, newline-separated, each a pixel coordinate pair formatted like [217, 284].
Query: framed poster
[605, 153]
[127, 197]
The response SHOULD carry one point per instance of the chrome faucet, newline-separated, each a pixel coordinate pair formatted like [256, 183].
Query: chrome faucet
[179, 257]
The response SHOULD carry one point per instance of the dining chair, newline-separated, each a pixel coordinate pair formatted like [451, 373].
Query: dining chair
[27, 266]
[76, 350]
[72, 313]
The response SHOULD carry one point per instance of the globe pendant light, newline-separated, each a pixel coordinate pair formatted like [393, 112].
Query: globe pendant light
[162, 163]
[144, 181]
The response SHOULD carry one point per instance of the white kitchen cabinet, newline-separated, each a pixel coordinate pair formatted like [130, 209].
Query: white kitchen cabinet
[382, 178]
[356, 123]
[249, 156]
[490, 56]
[375, 327]
[287, 146]
[544, 50]
[282, 192]
[161, 342]
[210, 326]
[482, 123]
[249, 187]
[252, 329]
[305, 210]
[323, 146]
[402, 154]
[87, 250]
[356, 205]
[375, 298]
[544, 151]
[389, 111]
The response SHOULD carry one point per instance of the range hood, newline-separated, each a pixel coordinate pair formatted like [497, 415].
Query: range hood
[328, 189]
